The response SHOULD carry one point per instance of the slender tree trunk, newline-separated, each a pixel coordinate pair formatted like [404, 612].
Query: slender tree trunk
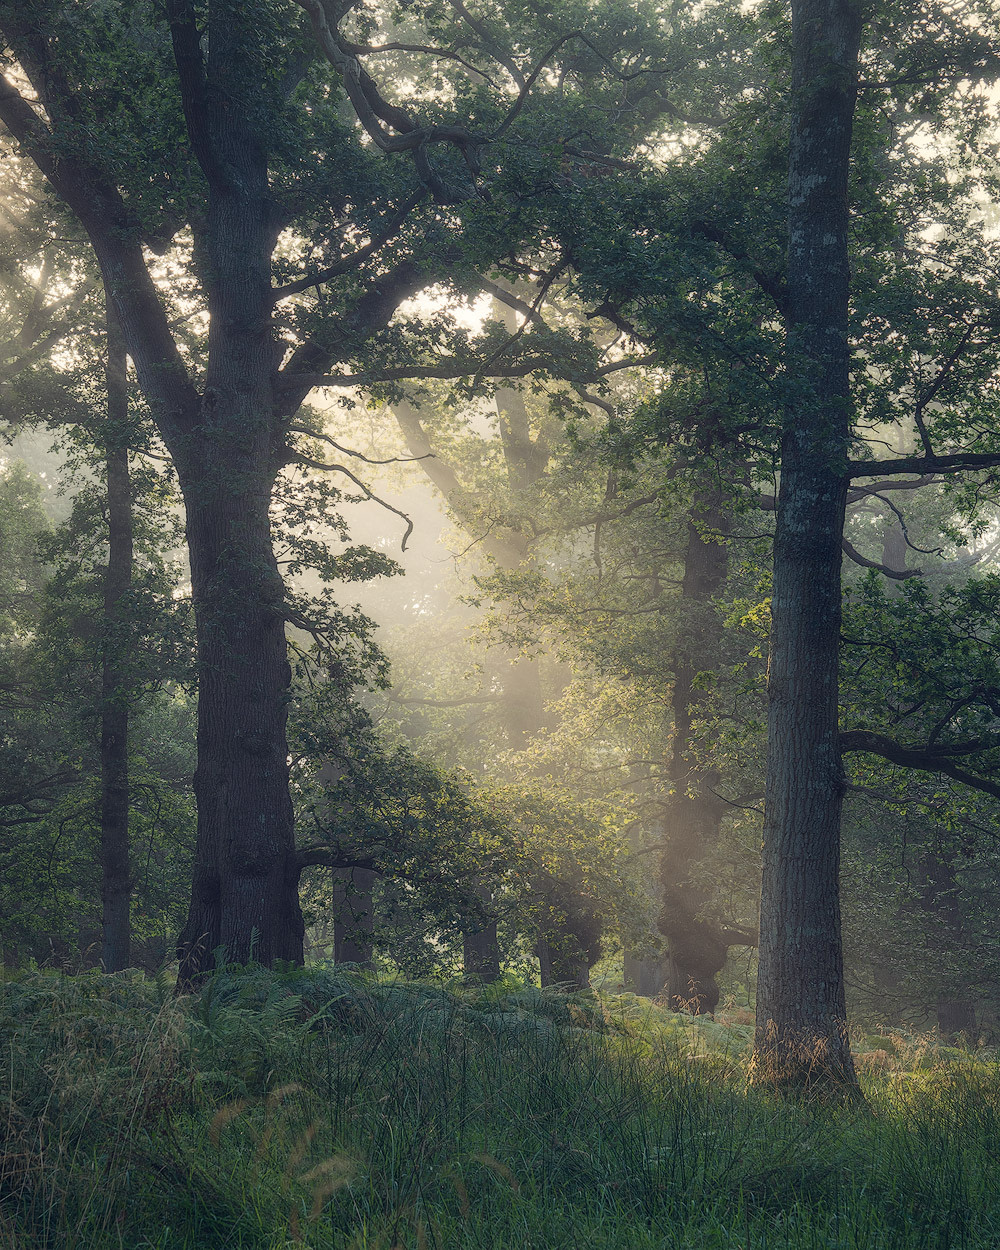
[116, 880]
[698, 948]
[801, 1035]
[354, 918]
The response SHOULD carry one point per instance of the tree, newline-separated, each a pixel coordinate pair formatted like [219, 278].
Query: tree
[801, 1010]
[203, 127]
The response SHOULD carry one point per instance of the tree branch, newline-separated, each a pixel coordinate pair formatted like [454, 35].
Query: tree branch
[347, 264]
[928, 761]
[101, 211]
[930, 466]
[298, 458]
[186, 40]
[900, 575]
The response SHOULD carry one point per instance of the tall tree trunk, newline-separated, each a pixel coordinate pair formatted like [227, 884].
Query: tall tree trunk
[698, 948]
[245, 890]
[116, 880]
[801, 1033]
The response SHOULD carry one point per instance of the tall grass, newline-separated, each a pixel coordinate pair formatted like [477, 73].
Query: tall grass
[326, 1109]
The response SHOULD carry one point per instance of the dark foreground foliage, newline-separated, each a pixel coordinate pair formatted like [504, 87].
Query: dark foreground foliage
[324, 1108]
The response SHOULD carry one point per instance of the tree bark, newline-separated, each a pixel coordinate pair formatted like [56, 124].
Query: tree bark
[116, 878]
[481, 948]
[245, 888]
[801, 1039]
[569, 940]
[245, 892]
[562, 961]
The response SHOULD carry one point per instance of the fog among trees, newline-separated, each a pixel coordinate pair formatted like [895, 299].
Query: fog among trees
[499, 509]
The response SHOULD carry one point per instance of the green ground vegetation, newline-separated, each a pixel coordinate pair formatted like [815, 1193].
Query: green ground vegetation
[330, 1108]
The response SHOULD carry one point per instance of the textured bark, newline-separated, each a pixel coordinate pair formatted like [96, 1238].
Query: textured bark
[698, 947]
[245, 892]
[354, 918]
[116, 879]
[245, 889]
[801, 1034]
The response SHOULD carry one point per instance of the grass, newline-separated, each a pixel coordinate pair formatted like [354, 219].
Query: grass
[323, 1109]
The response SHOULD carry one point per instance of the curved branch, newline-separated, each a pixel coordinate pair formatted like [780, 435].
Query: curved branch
[936, 760]
[347, 451]
[900, 575]
[297, 458]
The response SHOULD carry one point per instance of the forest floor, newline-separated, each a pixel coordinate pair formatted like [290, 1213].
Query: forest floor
[323, 1109]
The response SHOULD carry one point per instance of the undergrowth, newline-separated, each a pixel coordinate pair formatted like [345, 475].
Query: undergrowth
[325, 1108]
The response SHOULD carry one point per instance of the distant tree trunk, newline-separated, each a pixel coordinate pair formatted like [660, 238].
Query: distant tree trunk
[116, 880]
[801, 1037]
[569, 941]
[481, 947]
[646, 975]
[957, 1017]
[697, 947]
[886, 978]
[940, 901]
[641, 973]
[522, 710]
[559, 965]
[354, 917]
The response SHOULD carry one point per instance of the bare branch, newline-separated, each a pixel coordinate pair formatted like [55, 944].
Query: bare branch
[361, 49]
[297, 458]
[347, 451]
[927, 395]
